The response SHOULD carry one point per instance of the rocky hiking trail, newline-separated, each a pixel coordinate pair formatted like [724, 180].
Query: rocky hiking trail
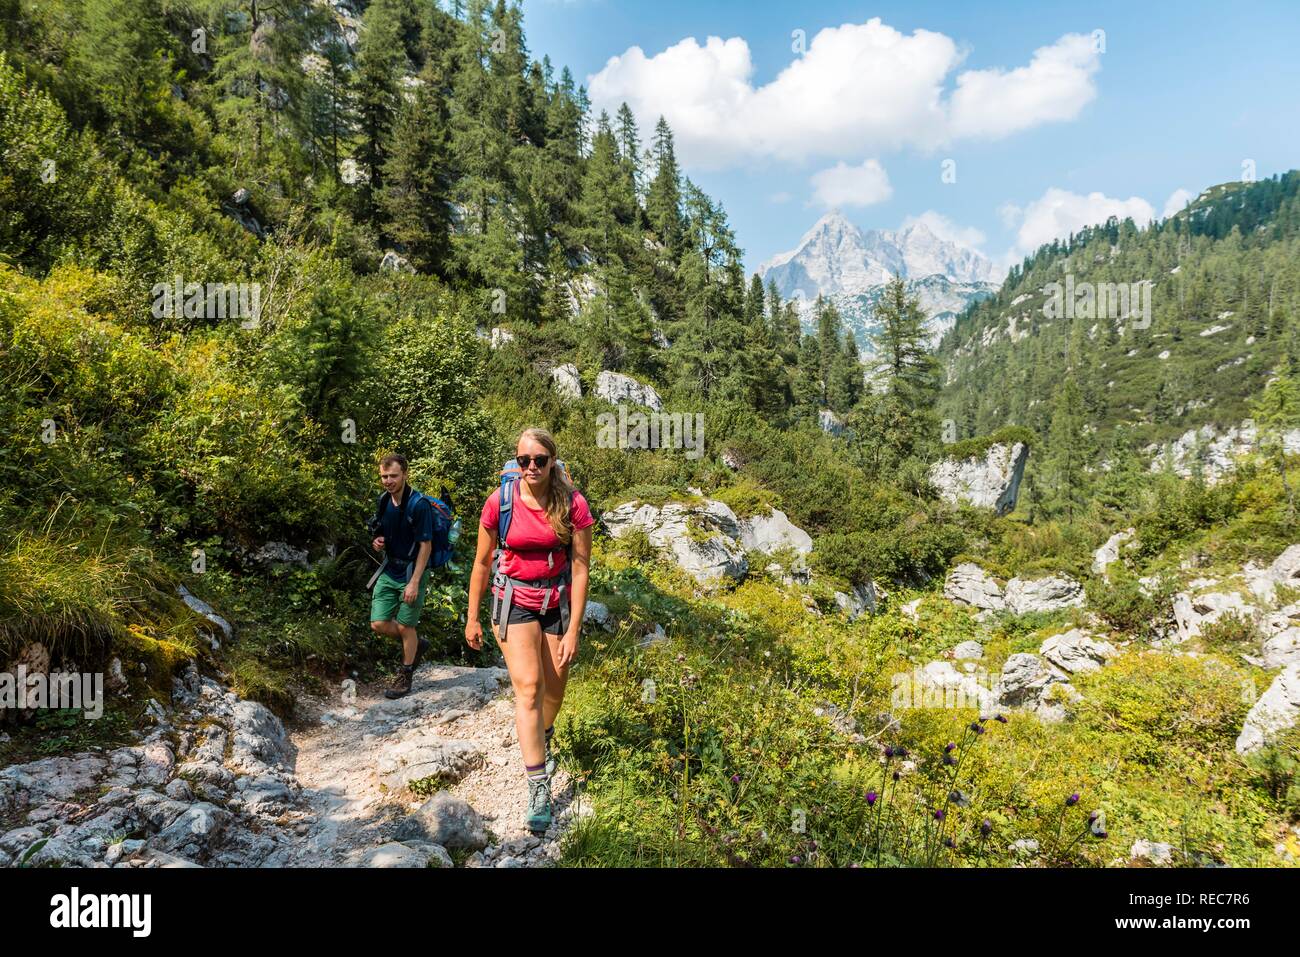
[219, 781]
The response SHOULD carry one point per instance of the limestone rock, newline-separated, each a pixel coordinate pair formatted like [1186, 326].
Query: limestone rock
[767, 533]
[1076, 651]
[565, 381]
[969, 584]
[703, 538]
[1109, 552]
[991, 482]
[616, 388]
[1043, 594]
[446, 821]
[1277, 709]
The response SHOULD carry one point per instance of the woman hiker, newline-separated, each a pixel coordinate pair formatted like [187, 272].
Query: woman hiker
[539, 591]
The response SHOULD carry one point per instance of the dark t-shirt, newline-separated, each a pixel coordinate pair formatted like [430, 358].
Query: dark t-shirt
[397, 532]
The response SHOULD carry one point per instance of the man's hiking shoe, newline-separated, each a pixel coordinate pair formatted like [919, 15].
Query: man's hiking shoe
[539, 806]
[401, 684]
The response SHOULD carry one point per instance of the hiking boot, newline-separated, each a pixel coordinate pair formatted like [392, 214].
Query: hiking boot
[401, 684]
[539, 806]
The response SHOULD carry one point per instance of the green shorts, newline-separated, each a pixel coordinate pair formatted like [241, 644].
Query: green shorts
[387, 600]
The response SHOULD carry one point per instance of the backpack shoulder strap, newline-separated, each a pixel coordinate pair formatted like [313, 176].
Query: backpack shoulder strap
[509, 489]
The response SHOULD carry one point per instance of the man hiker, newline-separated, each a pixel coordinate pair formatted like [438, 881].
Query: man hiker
[404, 523]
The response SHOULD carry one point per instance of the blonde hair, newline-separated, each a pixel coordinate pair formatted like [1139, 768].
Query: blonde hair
[559, 492]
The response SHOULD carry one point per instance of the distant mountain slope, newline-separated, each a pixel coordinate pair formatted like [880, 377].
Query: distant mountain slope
[849, 267]
[1223, 301]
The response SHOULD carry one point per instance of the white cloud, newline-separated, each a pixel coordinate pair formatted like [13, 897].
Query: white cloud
[946, 229]
[844, 185]
[1055, 86]
[1176, 201]
[781, 197]
[859, 89]
[1058, 212]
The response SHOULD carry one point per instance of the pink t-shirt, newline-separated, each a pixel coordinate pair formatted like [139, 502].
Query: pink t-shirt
[536, 541]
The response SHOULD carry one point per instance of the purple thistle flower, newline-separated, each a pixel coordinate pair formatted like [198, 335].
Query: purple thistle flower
[977, 727]
[900, 752]
[1092, 816]
[897, 775]
[949, 842]
[949, 747]
[794, 859]
[871, 798]
[949, 759]
[986, 827]
[1072, 800]
[735, 779]
[889, 751]
[1000, 717]
[938, 815]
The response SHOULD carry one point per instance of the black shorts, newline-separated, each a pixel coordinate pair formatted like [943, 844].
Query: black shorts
[551, 624]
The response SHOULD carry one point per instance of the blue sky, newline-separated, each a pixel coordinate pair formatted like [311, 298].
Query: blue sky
[1170, 97]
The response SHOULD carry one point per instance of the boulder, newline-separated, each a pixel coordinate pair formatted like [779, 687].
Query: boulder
[703, 537]
[1277, 709]
[392, 262]
[1153, 851]
[204, 609]
[971, 585]
[767, 533]
[194, 832]
[499, 336]
[1027, 682]
[989, 482]
[259, 739]
[1109, 552]
[597, 614]
[616, 388]
[1043, 594]
[969, 651]
[860, 600]
[447, 821]
[395, 854]
[1281, 649]
[1076, 651]
[427, 756]
[1194, 612]
[939, 684]
[565, 381]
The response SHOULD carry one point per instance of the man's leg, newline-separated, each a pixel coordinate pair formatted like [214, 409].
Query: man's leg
[389, 628]
[410, 641]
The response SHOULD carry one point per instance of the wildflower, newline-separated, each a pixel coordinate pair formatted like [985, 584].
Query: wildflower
[986, 827]
[897, 775]
[889, 751]
[735, 779]
[939, 815]
[1000, 717]
[1072, 800]
[900, 752]
[949, 842]
[959, 798]
[871, 798]
[949, 759]
[794, 859]
[977, 727]
[949, 747]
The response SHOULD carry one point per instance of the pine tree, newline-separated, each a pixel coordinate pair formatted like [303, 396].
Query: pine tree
[664, 198]
[417, 175]
[381, 63]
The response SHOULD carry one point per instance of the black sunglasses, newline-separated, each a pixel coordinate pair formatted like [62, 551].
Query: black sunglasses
[527, 460]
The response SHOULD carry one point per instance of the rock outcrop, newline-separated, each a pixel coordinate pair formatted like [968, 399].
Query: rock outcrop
[1277, 709]
[768, 533]
[968, 584]
[992, 481]
[702, 537]
[618, 389]
[565, 381]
